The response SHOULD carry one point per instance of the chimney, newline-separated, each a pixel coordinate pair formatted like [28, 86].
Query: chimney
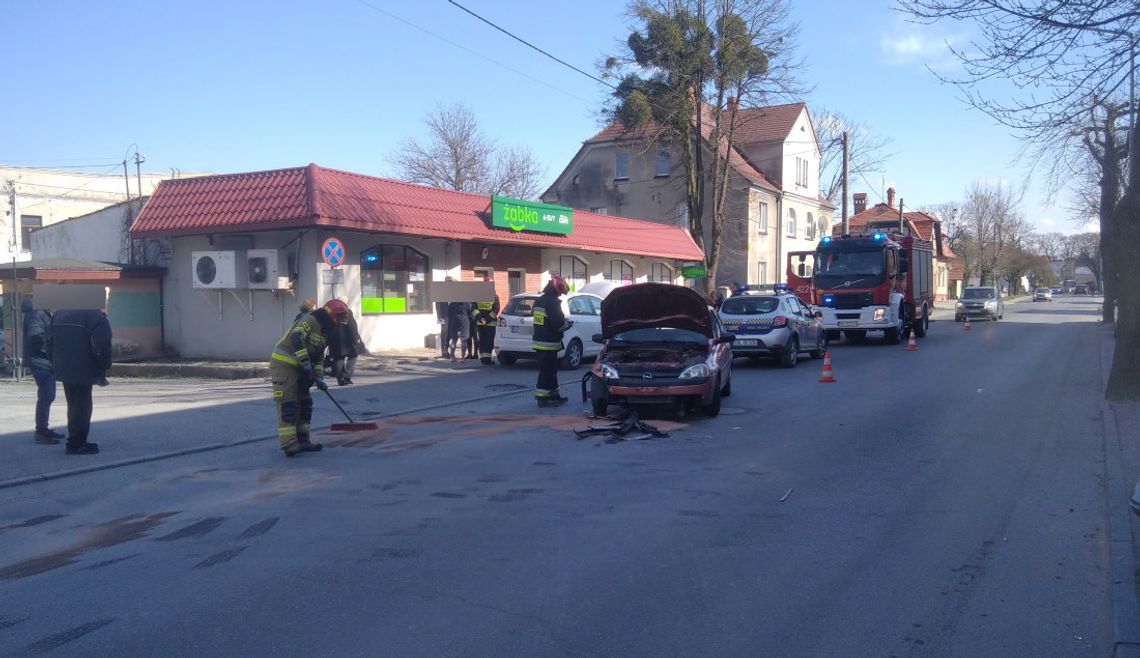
[860, 202]
[890, 197]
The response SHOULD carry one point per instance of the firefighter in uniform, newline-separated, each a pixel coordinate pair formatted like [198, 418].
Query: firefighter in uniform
[486, 316]
[296, 364]
[549, 325]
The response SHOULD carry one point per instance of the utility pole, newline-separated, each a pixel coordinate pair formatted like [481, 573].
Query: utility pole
[139, 159]
[16, 347]
[845, 226]
[126, 220]
[902, 220]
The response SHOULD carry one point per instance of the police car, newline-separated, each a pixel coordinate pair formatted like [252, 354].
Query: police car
[771, 322]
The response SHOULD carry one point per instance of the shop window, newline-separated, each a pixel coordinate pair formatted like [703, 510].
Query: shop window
[393, 279]
[662, 273]
[573, 269]
[620, 271]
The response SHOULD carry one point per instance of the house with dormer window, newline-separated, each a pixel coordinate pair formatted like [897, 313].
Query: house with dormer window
[774, 205]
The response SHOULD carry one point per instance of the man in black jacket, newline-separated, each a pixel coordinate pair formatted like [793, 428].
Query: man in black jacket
[80, 356]
[37, 329]
[549, 325]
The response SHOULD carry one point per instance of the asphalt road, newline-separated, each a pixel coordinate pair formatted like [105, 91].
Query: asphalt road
[945, 502]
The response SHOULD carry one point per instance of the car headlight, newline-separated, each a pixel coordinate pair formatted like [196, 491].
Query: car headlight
[991, 304]
[609, 372]
[693, 372]
[880, 313]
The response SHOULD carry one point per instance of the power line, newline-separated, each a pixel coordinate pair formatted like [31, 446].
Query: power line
[532, 46]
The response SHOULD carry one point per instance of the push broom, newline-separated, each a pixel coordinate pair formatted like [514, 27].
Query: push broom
[351, 425]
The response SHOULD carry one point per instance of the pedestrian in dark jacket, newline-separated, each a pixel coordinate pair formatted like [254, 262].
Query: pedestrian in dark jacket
[344, 346]
[37, 331]
[459, 321]
[80, 357]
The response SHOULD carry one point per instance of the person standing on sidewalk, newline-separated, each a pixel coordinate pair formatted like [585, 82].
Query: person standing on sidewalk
[459, 321]
[80, 349]
[296, 364]
[549, 325]
[37, 330]
[486, 317]
[344, 346]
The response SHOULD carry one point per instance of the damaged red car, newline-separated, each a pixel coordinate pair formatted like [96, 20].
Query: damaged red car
[661, 345]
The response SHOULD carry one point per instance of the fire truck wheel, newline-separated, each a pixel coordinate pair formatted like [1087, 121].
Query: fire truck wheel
[922, 324]
[791, 355]
[894, 335]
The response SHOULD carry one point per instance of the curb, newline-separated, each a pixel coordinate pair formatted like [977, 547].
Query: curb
[44, 477]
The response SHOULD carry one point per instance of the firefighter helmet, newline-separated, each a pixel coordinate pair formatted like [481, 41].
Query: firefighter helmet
[337, 310]
[560, 285]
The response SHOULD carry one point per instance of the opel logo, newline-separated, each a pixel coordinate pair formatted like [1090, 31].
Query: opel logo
[647, 376]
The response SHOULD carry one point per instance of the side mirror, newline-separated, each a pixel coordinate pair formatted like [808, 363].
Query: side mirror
[818, 315]
[597, 338]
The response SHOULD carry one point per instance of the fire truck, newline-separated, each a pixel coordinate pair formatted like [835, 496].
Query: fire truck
[874, 282]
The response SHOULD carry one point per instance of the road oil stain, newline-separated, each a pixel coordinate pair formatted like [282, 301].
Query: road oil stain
[466, 427]
[293, 484]
[53, 642]
[104, 535]
[194, 530]
[34, 521]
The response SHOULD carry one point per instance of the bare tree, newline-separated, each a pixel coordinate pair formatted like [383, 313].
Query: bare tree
[458, 156]
[990, 230]
[1062, 58]
[866, 151]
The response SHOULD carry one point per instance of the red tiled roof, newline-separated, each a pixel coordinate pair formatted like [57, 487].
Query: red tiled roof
[765, 124]
[315, 196]
[921, 224]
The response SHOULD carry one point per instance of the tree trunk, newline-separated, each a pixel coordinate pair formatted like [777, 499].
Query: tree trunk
[1124, 378]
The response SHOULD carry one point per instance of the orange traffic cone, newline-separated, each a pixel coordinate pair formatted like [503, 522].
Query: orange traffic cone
[966, 327]
[828, 376]
[911, 345]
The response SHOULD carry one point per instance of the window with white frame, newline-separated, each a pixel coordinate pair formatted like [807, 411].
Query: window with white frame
[790, 223]
[573, 269]
[621, 165]
[762, 272]
[801, 172]
[810, 228]
[620, 271]
[663, 163]
[762, 217]
[661, 273]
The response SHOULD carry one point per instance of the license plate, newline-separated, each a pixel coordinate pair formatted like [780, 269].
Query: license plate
[849, 323]
[746, 343]
[514, 328]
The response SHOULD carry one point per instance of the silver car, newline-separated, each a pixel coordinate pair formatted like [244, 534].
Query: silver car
[1042, 295]
[979, 301]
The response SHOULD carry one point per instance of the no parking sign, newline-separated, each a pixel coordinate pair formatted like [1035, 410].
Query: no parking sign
[332, 251]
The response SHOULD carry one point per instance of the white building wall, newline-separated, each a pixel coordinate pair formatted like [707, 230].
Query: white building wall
[97, 236]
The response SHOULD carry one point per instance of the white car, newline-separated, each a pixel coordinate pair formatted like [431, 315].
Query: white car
[584, 309]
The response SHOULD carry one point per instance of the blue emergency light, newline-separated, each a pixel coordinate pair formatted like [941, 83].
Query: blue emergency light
[879, 236]
[780, 287]
[825, 239]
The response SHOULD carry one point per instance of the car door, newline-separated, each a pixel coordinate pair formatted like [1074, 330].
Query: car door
[809, 332]
[581, 314]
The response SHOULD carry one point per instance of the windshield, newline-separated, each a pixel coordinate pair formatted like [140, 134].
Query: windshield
[749, 305]
[851, 263]
[978, 293]
[657, 335]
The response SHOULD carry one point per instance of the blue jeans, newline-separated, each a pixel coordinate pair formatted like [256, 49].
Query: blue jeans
[45, 395]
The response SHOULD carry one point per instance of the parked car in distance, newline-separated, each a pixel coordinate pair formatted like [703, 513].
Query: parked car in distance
[773, 324]
[979, 301]
[1042, 295]
[1081, 290]
[661, 345]
[516, 328]
[1057, 290]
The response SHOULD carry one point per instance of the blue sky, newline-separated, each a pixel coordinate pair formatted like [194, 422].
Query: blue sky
[223, 86]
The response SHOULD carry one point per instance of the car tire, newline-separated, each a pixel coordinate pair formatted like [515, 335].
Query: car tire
[790, 356]
[820, 347]
[573, 356]
[599, 397]
[507, 359]
[922, 325]
[712, 409]
[726, 390]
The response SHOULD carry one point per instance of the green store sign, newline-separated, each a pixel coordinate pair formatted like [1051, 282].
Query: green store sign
[694, 271]
[518, 215]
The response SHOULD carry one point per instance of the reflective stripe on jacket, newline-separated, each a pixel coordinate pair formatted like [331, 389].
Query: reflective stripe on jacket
[549, 323]
[303, 346]
[486, 314]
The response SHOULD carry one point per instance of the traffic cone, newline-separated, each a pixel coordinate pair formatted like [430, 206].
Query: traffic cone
[828, 376]
[966, 327]
[911, 345]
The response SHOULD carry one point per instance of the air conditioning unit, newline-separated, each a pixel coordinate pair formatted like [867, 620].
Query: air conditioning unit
[263, 267]
[214, 269]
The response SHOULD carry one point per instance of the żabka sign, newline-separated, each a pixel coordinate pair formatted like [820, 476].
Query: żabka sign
[518, 215]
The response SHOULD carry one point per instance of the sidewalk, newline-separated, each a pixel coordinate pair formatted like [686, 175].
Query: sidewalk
[211, 369]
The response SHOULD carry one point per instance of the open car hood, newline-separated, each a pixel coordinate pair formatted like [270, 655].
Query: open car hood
[645, 305]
